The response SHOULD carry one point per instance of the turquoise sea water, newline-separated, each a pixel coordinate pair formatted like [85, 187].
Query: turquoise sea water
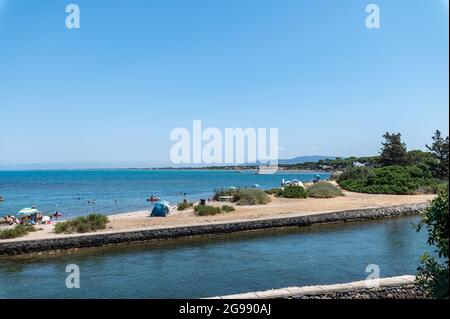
[323, 254]
[59, 190]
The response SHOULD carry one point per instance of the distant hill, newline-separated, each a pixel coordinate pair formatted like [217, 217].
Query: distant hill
[305, 159]
[297, 160]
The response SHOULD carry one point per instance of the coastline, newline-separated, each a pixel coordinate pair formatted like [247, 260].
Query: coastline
[76, 241]
[277, 208]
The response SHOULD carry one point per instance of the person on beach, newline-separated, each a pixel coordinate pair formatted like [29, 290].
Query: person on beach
[9, 220]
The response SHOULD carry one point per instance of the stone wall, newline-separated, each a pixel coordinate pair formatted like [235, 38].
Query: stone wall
[401, 287]
[95, 240]
[408, 291]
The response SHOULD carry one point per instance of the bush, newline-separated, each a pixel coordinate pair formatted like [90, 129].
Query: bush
[206, 210]
[335, 175]
[433, 274]
[430, 189]
[251, 196]
[324, 190]
[400, 180]
[294, 192]
[244, 196]
[82, 224]
[228, 208]
[18, 231]
[354, 173]
[225, 192]
[184, 206]
[274, 191]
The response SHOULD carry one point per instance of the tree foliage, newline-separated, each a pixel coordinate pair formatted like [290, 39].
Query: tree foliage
[439, 149]
[398, 180]
[393, 151]
[434, 274]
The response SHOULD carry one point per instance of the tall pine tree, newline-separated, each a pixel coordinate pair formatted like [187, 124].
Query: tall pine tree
[439, 149]
[394, 150]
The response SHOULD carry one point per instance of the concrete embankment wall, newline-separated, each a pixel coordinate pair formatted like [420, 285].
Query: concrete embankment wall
[100, 239]
[401, 287]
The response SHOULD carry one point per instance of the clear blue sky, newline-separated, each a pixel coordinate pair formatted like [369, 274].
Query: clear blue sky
[111, 92]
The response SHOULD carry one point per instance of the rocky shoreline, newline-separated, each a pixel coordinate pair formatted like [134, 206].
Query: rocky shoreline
[101, 239]
[400, 287]
[406, 291]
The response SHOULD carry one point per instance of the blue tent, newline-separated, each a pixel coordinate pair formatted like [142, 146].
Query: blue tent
[161, 209]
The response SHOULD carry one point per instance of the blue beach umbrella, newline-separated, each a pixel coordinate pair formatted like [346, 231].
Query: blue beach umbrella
[161, 209]
[27, 211]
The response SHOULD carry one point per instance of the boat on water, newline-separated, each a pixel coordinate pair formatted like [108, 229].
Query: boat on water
[266, 170]
[1, 199]
[153, 199]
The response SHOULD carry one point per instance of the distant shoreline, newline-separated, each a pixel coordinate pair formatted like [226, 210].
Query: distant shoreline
[160, 169]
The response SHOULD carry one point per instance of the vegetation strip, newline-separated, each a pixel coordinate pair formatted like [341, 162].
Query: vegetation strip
[95, 240]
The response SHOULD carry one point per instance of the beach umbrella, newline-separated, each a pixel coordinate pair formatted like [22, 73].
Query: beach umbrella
[27, 211]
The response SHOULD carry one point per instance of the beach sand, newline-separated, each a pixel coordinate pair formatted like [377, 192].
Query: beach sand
[278, 207]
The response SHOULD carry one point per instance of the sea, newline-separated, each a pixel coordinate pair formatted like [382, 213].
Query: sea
[81, 192]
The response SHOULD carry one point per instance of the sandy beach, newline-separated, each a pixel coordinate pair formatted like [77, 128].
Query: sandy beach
[278, 207]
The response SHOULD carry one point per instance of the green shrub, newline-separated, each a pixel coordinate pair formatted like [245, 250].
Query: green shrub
[335, 175]
[225, 192]
[294, 192]
[18, 231]
[400, 180]
[244, 196]
[354, 173]
[228, 208]
[184, 206]
[251, 196]
[324, 190]
[274, 191]
[429, 189]
[206, 210]
[433, 273]
[82, 224]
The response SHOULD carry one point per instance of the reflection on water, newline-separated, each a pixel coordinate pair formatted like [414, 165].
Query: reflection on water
[218, 265]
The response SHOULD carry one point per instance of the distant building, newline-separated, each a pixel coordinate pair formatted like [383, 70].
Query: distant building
[359, 164]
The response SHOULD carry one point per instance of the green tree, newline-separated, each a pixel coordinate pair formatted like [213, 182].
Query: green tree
[433, 274]
[393, 151]
[417, 157]
[439, 149]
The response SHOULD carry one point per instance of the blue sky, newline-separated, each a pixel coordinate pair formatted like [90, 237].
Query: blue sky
[109, 93]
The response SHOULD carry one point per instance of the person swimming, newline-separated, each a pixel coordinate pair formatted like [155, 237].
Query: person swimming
[152, 198]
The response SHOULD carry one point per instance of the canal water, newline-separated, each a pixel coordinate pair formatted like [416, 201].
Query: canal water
[219, 265]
